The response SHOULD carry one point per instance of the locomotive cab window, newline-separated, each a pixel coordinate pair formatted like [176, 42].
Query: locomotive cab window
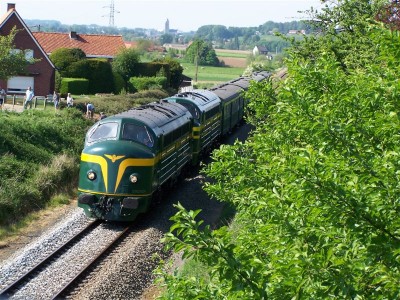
[137, 133]
[103, 132]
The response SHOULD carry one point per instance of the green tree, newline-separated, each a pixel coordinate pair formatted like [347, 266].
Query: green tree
[124, 63]
[12, 62]
[62, 58]
[315, 187]
[175, 69]
[166, 39]
[203, 52]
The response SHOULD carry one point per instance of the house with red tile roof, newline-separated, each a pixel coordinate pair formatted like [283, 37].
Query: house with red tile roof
[41, 74]
[94, 45]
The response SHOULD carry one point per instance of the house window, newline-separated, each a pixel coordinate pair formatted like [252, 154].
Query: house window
[15, 51]
[27, 52]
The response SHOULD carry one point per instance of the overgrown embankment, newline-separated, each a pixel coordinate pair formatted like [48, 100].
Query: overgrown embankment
[40, 150]
[39, 157]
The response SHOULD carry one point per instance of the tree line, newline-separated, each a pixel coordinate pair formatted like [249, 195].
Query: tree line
[224, 37]
[315, 188]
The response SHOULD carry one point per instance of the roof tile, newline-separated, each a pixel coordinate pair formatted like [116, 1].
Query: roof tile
[92, 44]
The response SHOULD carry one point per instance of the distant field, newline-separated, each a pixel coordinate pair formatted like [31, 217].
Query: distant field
[232, 53]
[233, 58]
[212, 74]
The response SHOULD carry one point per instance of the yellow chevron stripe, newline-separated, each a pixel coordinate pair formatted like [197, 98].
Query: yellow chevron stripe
[98, 160]
[137, 162]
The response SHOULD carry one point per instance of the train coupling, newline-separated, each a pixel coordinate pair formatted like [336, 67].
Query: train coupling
[86, 199]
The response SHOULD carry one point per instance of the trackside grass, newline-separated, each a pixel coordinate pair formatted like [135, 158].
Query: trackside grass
[40, 151]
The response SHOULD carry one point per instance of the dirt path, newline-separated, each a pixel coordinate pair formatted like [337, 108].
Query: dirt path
[43, 220]
[10, 107]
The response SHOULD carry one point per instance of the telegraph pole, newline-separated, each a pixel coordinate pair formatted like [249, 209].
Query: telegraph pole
[196, 61]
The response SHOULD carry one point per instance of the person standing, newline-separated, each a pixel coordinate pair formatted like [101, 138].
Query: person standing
[28, 98]
[3, 97]
[56, 100]
[70, 100]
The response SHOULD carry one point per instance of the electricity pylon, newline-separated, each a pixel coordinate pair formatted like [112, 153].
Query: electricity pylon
[111, 14]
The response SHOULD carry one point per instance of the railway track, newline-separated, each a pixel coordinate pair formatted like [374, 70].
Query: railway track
[55, 288]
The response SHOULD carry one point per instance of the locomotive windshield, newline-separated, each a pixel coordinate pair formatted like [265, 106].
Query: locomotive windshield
[102, 132]
[137, 133]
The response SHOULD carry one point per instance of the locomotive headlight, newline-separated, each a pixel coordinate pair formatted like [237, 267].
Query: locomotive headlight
[91, 175]
[133, 178]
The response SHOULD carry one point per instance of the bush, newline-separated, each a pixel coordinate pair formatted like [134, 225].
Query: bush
[77, 86]
[97, 71]
[147, 83]
[114, 104]
[119, 83]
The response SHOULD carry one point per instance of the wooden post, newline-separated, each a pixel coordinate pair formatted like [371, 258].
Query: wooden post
[13, 100]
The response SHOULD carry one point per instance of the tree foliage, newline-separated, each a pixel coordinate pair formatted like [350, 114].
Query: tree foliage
[62, 58]
[203, 52]
[166, 38]
[11, 62]
[390, 15]
[124, 62]
[175, 69]
[316, 185]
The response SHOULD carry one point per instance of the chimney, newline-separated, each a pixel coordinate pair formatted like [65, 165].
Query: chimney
[73, 35]
[10, 6]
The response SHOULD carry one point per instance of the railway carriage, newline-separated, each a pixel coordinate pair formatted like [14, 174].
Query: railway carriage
[232, 103]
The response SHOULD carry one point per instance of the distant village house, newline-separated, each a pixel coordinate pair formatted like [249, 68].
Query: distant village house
[260, 50]
[297, 31]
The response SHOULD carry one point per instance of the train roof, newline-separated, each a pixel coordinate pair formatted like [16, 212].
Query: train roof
[156, 114]
[261, 75]
[227, 91]
[231, 89]
[203, 99]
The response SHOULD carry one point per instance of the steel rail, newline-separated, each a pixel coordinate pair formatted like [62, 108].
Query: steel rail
[8, 290]
[92, 262]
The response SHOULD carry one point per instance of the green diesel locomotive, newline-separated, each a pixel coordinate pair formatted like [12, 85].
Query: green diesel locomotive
[128, 157]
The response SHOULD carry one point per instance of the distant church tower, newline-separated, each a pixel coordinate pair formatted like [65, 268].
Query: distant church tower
[166, 29]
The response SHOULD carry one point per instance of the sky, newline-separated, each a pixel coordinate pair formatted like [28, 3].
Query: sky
[183, 15]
